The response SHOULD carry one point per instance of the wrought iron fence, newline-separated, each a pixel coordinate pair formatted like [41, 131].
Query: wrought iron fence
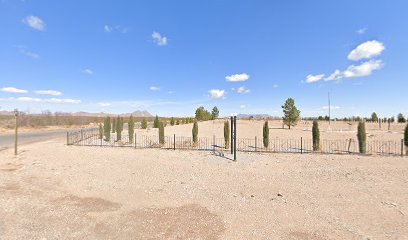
[91, 137]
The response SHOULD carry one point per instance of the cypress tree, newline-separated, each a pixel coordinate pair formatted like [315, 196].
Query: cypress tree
[316, 136]
[161, 133]
[226, 134]
[131, 128]
[144, 123]
[172, 122]
[107, 127]
[406, 138]
[100, 131]
[156, 122]
[113, 125]
[362, 136]
[195, 132]
[119, 128]
[266, 134]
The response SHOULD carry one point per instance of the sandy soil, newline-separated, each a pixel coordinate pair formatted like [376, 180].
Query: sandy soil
[53, 191]
[250, 129]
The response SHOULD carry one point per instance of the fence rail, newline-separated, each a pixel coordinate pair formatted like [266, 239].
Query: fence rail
[91, 137]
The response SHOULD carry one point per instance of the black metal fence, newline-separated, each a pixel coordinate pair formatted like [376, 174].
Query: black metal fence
[90, 137]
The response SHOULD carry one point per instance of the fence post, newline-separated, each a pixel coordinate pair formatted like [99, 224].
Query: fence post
[214, 144]
[402, 147]
[82, 135]
[349, 146]
[256, 145]
[67, 138]
[301, 145]
[174, 142]
[135, 141]
[235, 138]
[232, 133]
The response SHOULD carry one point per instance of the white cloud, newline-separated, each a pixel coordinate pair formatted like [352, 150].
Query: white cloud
[366, 50]
[242, 106]
[35, 22]
[337, 75]
[13, 90]
[102, 104]
[170, 92]
[154, 88]
[363, 70]
[107, 28]
[243, 90]
[159, 39]
[314, 78]
[275, 86]
[331, 107]
[361, 31]
[41, 100]
[88, 71]
[217, 94]
[237, 77]
[23, 50]
[48, 92]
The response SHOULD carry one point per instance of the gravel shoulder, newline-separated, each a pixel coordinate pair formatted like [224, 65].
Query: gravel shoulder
[53, 191]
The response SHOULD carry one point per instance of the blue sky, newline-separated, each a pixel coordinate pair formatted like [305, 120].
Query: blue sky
[169, 57]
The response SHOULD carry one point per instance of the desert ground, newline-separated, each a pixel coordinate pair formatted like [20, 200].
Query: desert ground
[54, 191]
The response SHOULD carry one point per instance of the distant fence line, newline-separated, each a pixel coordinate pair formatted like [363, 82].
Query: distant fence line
[90, 137]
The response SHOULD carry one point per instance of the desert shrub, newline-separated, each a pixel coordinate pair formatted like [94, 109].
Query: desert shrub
[178, 122]
[362, 137]
[144, 123]
[107, 128]
[131, 128]
[100, 131]
[316, 136]
[291, 113]
[266, 134]
[226, 134]
[156, 122]
[401, 118]
[172, 122]
[161, 133]
[195, 132]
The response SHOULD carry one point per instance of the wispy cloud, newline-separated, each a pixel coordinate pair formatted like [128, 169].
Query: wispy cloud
[237, 77]
[41, 100]
[13, 90]
[34, 22]
[363, 70]
[159, 39]
[104, 104]
[88, 71]
[243, 90]
[314, 78]
[23, 50]
[242, 106]
[217, 94]
[154, 88]
[366, 50]
[331, 107]
[117, 28]
[275, 86]
[361, 31]
[48, 92]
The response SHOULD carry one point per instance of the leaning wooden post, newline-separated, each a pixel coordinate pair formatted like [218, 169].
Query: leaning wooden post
[16, 132]
[349, 146]
[235, 138]
[232, 135]
[174, 142]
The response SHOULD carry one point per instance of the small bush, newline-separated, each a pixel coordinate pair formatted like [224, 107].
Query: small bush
[316, 136]
[161, 133]
[266, 134]
[226, 134]
[195, 132]
[178, 122]
[362, 136]
[172, 122]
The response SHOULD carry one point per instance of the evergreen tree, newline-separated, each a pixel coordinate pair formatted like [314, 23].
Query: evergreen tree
[178, 122]
[406, 138]
[107, 128]
[144, 123]
[401, 118]
[202, 115]
[172, 122]
[362, 136]
[226, 134]
[215, 113]
[374, 117]
[195, 132]
[291, 113]
[131, 129]
[156, 122]
[316, 136]
[266, 134]
[119, 128]
[100, 131]
[113, 125]
[161, 133]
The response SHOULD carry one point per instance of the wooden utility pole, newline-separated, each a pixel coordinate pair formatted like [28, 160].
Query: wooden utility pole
[16, 131]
